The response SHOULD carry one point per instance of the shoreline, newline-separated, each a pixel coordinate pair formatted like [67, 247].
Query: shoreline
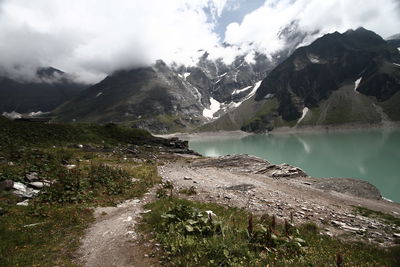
[188, 136]
[335, 128]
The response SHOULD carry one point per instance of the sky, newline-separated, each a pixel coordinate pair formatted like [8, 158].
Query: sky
[93, 38]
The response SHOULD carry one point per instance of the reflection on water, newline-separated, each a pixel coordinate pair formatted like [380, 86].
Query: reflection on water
[373, 155]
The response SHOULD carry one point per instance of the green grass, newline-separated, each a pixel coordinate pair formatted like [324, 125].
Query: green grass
[268, 107]
[343, 106]
[391, 107]
[189, 238]
[15, 134]
[51, 242]
[387, 218]
[64, 210]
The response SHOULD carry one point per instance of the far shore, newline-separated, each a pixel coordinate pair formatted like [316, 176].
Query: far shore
[284, 130]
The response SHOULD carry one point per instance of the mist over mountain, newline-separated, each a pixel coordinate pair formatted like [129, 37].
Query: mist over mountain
[50, 88]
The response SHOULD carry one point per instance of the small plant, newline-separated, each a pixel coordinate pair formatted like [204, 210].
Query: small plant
[339, 260]
[188, 191]
[161, 193]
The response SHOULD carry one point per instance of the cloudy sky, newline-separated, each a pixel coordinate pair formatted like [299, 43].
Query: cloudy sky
[91, 38]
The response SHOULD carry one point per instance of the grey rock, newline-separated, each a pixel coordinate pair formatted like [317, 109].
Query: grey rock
[37, 185]
[337, 223]
[187, 178]
[31, 177]
[349, 186]
[23, 191]
[6, 185]
[241, 187]
[23, 203]
[396, 235]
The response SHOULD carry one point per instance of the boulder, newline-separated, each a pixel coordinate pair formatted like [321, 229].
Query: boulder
[23, 203]
[22, 190]
[349, 186]
[37, 185]
[31, 177]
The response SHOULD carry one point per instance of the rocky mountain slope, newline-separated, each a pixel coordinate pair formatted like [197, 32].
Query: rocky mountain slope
[50, 89]
[352, 77]
[166, 98]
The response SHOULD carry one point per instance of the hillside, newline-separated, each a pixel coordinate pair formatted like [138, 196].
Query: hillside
[50, 89]
[349, 78]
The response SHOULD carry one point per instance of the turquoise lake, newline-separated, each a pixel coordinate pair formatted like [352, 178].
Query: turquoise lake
[373, 155]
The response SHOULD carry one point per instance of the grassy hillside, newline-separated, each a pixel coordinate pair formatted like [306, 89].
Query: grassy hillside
[234, 120]
[342, 107]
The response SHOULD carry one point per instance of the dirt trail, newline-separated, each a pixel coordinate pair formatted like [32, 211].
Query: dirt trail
[238, 185]
[112, 240]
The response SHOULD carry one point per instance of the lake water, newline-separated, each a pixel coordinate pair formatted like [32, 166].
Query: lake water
[373, 155]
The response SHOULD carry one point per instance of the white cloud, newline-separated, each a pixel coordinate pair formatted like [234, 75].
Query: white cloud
[91, 38]
[263, 25]
[95, 37]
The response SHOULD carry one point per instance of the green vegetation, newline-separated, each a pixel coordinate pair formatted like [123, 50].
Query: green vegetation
[343, 106]
[191, 235]
[391, 107]
[387, 218]
[262, 120]
[47, 232]
[15, 134]
[188, 191]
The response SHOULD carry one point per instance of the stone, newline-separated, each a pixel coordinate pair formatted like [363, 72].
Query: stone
[187, 178]
[23, 203]
[337, 223]
[31, 177]
[353, 229]
[70, 166]
[6, 185]
[396, 235]
[37, 185]
[22, 190]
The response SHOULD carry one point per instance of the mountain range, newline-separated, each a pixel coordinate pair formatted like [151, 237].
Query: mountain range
[348, 78]
[50, 88]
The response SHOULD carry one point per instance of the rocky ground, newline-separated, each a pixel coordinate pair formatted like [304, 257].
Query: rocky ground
[113, 239]
[287, 192]
[245, 182]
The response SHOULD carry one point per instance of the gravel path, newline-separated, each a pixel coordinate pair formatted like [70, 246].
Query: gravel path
[113, 240]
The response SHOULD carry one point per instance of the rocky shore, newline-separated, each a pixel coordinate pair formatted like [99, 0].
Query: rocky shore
[287, 192]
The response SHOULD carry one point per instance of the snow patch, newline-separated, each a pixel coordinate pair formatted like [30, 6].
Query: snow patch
[254, 89]
[305, 111]
[214, 107]
[237, 104]
[314, 59]
[185, 75]
[396, 64]
[222, 75]
[34, 114]
[356, 84]
[238, 91]
[12, 115]
[99, 94]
